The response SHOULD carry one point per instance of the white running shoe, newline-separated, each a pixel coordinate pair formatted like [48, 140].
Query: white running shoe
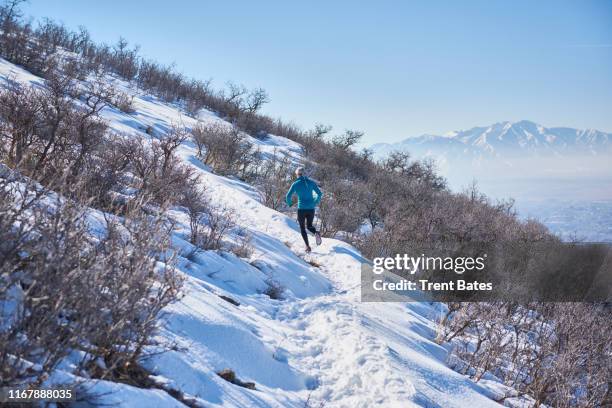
[318, 238]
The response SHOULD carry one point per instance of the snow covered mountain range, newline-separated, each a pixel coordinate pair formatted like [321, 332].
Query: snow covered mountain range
[505, 140]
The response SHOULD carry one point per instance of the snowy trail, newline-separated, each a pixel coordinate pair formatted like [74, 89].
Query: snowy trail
[351, 366]
[361, 360]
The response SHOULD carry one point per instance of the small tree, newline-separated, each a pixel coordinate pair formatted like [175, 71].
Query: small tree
[348, 139]
[272, 180]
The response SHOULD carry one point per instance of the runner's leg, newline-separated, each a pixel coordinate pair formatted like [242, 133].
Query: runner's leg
[309, 219]
[301, 216]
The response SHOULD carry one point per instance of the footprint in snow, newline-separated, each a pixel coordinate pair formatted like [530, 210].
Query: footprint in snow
[312, 382]
[280, 354]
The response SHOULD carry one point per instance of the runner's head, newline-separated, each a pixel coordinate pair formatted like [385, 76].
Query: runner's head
[299, 172]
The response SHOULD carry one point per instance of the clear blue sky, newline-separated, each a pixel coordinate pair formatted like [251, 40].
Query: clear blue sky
[391, 69]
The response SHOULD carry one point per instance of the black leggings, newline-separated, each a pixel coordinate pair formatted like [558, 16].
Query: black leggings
[305, 218]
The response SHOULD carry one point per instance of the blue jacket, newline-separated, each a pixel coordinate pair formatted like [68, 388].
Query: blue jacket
[304, 187]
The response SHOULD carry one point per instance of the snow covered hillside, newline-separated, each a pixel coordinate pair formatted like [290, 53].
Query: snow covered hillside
[318, 345]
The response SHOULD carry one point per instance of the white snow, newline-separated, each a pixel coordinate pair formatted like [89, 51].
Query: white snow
[320, 343]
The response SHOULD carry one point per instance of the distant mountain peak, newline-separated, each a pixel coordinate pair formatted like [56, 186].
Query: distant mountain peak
[505, 139]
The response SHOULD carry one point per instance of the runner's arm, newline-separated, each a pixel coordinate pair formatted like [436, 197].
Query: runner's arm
[319, 193]
[289, 195]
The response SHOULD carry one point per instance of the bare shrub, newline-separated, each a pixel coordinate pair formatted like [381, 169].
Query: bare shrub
[45, 132]
[341, 210]
[201, 92]
[347, 139]
[219, 221]
[158, 173]
[124, 102]
[319, 131]
[274, 290]
[21, 120]
[546, 350]
[124, 60]
[272, 178]
[137, 288]
[224, 148]
[70, 290]
[209, 224]
[244, 246]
